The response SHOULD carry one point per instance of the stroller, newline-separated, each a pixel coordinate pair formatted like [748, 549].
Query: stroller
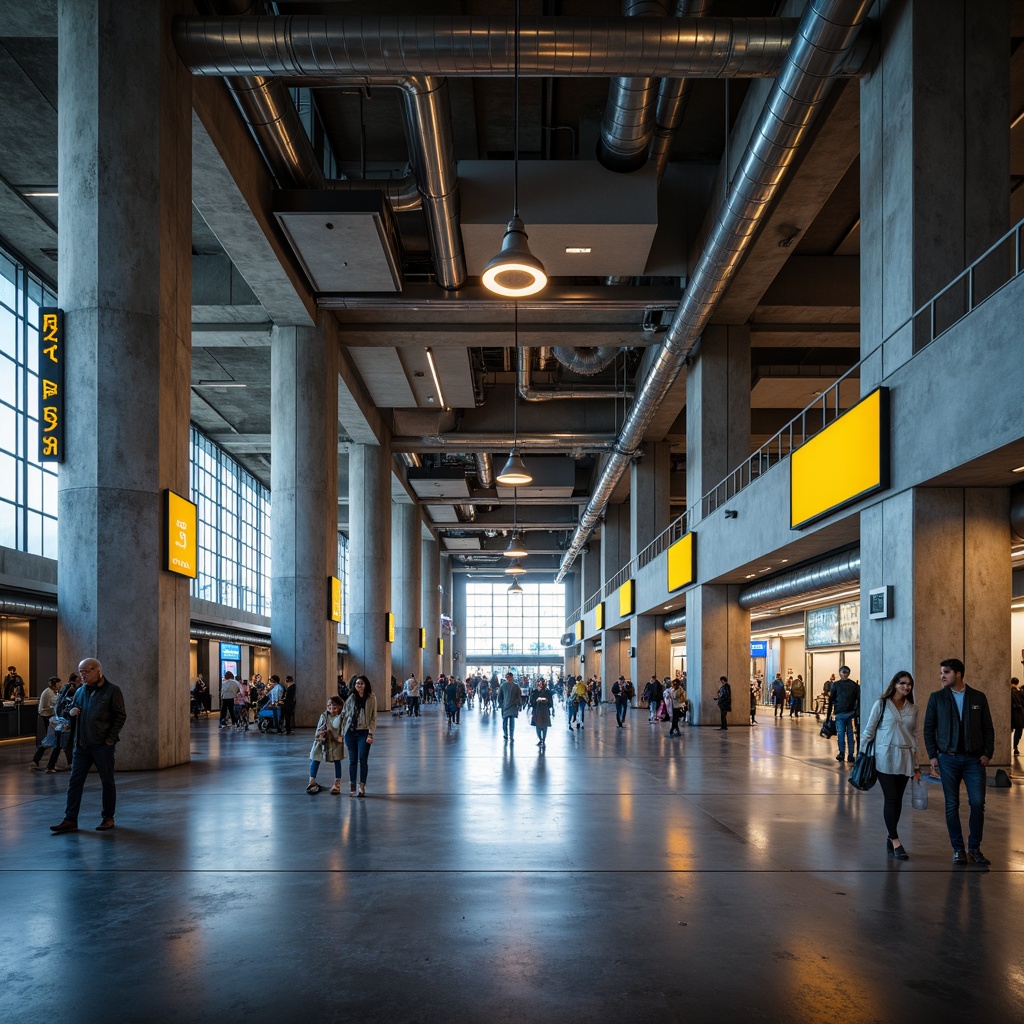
[265, 716]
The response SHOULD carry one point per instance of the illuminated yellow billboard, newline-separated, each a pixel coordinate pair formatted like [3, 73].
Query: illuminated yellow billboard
[599, 616]
[389, 627]
[181, 535]
[579, 629]
[846, 461]
[334, 586]
[627, 598]
[681, 563]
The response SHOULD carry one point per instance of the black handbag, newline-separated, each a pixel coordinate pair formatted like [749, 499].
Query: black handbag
[828, 728]
[863, 774]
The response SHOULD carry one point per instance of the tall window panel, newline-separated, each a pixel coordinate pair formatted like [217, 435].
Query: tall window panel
[28, 488]
[343, 576]
[234, 529]
[498, 625]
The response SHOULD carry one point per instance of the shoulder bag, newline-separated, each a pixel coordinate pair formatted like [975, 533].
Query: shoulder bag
[864, 775]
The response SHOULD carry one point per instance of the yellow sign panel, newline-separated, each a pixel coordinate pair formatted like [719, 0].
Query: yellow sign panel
[844, 462]
[680, 563]
[335, 598]
[579, 629]
[423, 639]
[627, 598]
[180, 535]
[390, 626]
[599, 616]
[440, 645]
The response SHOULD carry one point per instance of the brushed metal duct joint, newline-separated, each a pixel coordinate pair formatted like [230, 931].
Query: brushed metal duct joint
[824, 40]
[484, 469]
[28, 607]
[805, 581]
[530, 392]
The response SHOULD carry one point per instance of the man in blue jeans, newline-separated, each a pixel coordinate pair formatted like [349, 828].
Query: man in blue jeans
[844, 699]
[960, 740]
[99, 713]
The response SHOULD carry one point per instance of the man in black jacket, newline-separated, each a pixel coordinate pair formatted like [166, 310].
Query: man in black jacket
[844, 698]
[960, 740]
[99, 713]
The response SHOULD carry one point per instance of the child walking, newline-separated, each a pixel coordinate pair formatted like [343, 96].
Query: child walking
[327, 746]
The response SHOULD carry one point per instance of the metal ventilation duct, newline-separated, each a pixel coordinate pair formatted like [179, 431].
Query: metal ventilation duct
[674, 621]
[806, 581]
[531, 393]
[28, 607]
[583, 360]
[827, 32]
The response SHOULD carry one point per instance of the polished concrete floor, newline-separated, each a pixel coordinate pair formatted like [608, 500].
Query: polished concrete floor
[621, 876]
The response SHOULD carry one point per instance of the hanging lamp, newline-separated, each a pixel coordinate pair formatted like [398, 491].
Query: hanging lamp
[514, 589]
[515, 272]
[516, 548]
[515, 473]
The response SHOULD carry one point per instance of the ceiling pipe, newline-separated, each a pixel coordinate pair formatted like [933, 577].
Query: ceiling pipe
[827, 32]
[484, 469]
[496, 442]
[674, 621]
[28, 607]
[402, 194]
[585, 360]
[532, 393]
[672, 96]
[628, 121]
[804, 581]
[411, 460]
[466, 513]
[267, 109]
[332, 47]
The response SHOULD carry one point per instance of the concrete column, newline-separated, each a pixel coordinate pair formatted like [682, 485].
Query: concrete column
[304, 511]
[369, 567]
[614, 659]
[571, 658]
[717, 644]
[430, 605]
[406, 589]
[590, 570]
[653, 650]
[457, 641]
[934, 162]
[447, 608]
[614, 542]
[946, 554]
[125, 183]
[649, 497]
[717, 408]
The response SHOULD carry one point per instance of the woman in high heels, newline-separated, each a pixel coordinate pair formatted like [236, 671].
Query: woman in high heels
[892, 725]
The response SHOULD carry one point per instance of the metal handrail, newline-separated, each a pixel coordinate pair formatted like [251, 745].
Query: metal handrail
[972, 287]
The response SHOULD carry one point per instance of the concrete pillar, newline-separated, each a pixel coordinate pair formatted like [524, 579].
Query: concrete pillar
[946, 554]
[406, 589]
[590, 570]
[457, 641]
[571, 657]
[614, 542]
[430, 604]
[304, 511]
[717, 408]
[649, 497]
[447, 608]
[125, 183]
[934, 162]
[653, 650]
[717, 644]
[369, 567]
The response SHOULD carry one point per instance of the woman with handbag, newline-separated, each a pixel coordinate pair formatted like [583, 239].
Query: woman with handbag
[892, 724]
[358, 723]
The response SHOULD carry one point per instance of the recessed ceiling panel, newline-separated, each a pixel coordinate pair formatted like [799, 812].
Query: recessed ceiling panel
[462, 543]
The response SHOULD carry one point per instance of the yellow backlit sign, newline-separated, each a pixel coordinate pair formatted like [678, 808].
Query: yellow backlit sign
[844, 462]
[627, 598]
[423, 639]
[579, 629]
[334, 591]
[389, 625]
[599, 616]
[681, 562]
[180, 535]
[440, 645]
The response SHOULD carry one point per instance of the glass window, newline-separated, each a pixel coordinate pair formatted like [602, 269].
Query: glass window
[498, 626]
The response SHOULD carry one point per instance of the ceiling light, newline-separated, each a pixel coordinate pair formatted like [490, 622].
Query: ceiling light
[515, 568]
[573, 249]
[1019, 469]
[40, 195]
[515, 271]
[437, 382]
[218, 384]
[515, 473]
[514, 589]
[516, 548]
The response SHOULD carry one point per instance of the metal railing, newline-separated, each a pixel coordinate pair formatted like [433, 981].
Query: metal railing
[993, 270]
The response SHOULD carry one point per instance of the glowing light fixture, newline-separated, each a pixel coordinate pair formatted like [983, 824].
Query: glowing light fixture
[515, 473]
[514, 589]
[515, 271]
[515, 568]
[437, 381]
[516, 548]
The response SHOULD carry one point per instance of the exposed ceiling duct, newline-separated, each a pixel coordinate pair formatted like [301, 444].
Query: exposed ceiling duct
[674, 621]
[585, 361]
[554, 442]
[804, 581]
[628, 122]
[484, 469]
[28, 607]
[532, 393]
[827, 32]
[336, 47]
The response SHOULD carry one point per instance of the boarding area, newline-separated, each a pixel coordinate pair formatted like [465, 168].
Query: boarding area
[621, 876]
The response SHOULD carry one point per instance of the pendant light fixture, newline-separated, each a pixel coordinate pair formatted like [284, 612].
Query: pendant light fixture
[515, 568]
[516, 548]
[514, 589]
[515, 271]
[515, 473]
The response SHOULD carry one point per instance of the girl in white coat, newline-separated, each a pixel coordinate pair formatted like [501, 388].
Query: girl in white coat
[892, 725]
[329, 745]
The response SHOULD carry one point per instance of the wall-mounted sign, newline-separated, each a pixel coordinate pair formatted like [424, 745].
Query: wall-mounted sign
[180, 535]
[880, 603]
[627, 598]
[759, 648]
[599, 616]
[832, 625]
[681, 562]
[423, 639]
[389, 627]
[230, 652]
[846, 461]
[579, 629]
[51, 385]
[334, 598]
[440, 645]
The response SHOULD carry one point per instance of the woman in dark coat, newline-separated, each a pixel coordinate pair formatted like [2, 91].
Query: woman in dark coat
[540, 702]
[724, 701]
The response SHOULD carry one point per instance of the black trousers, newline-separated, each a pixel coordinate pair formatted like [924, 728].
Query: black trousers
[893, 788]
